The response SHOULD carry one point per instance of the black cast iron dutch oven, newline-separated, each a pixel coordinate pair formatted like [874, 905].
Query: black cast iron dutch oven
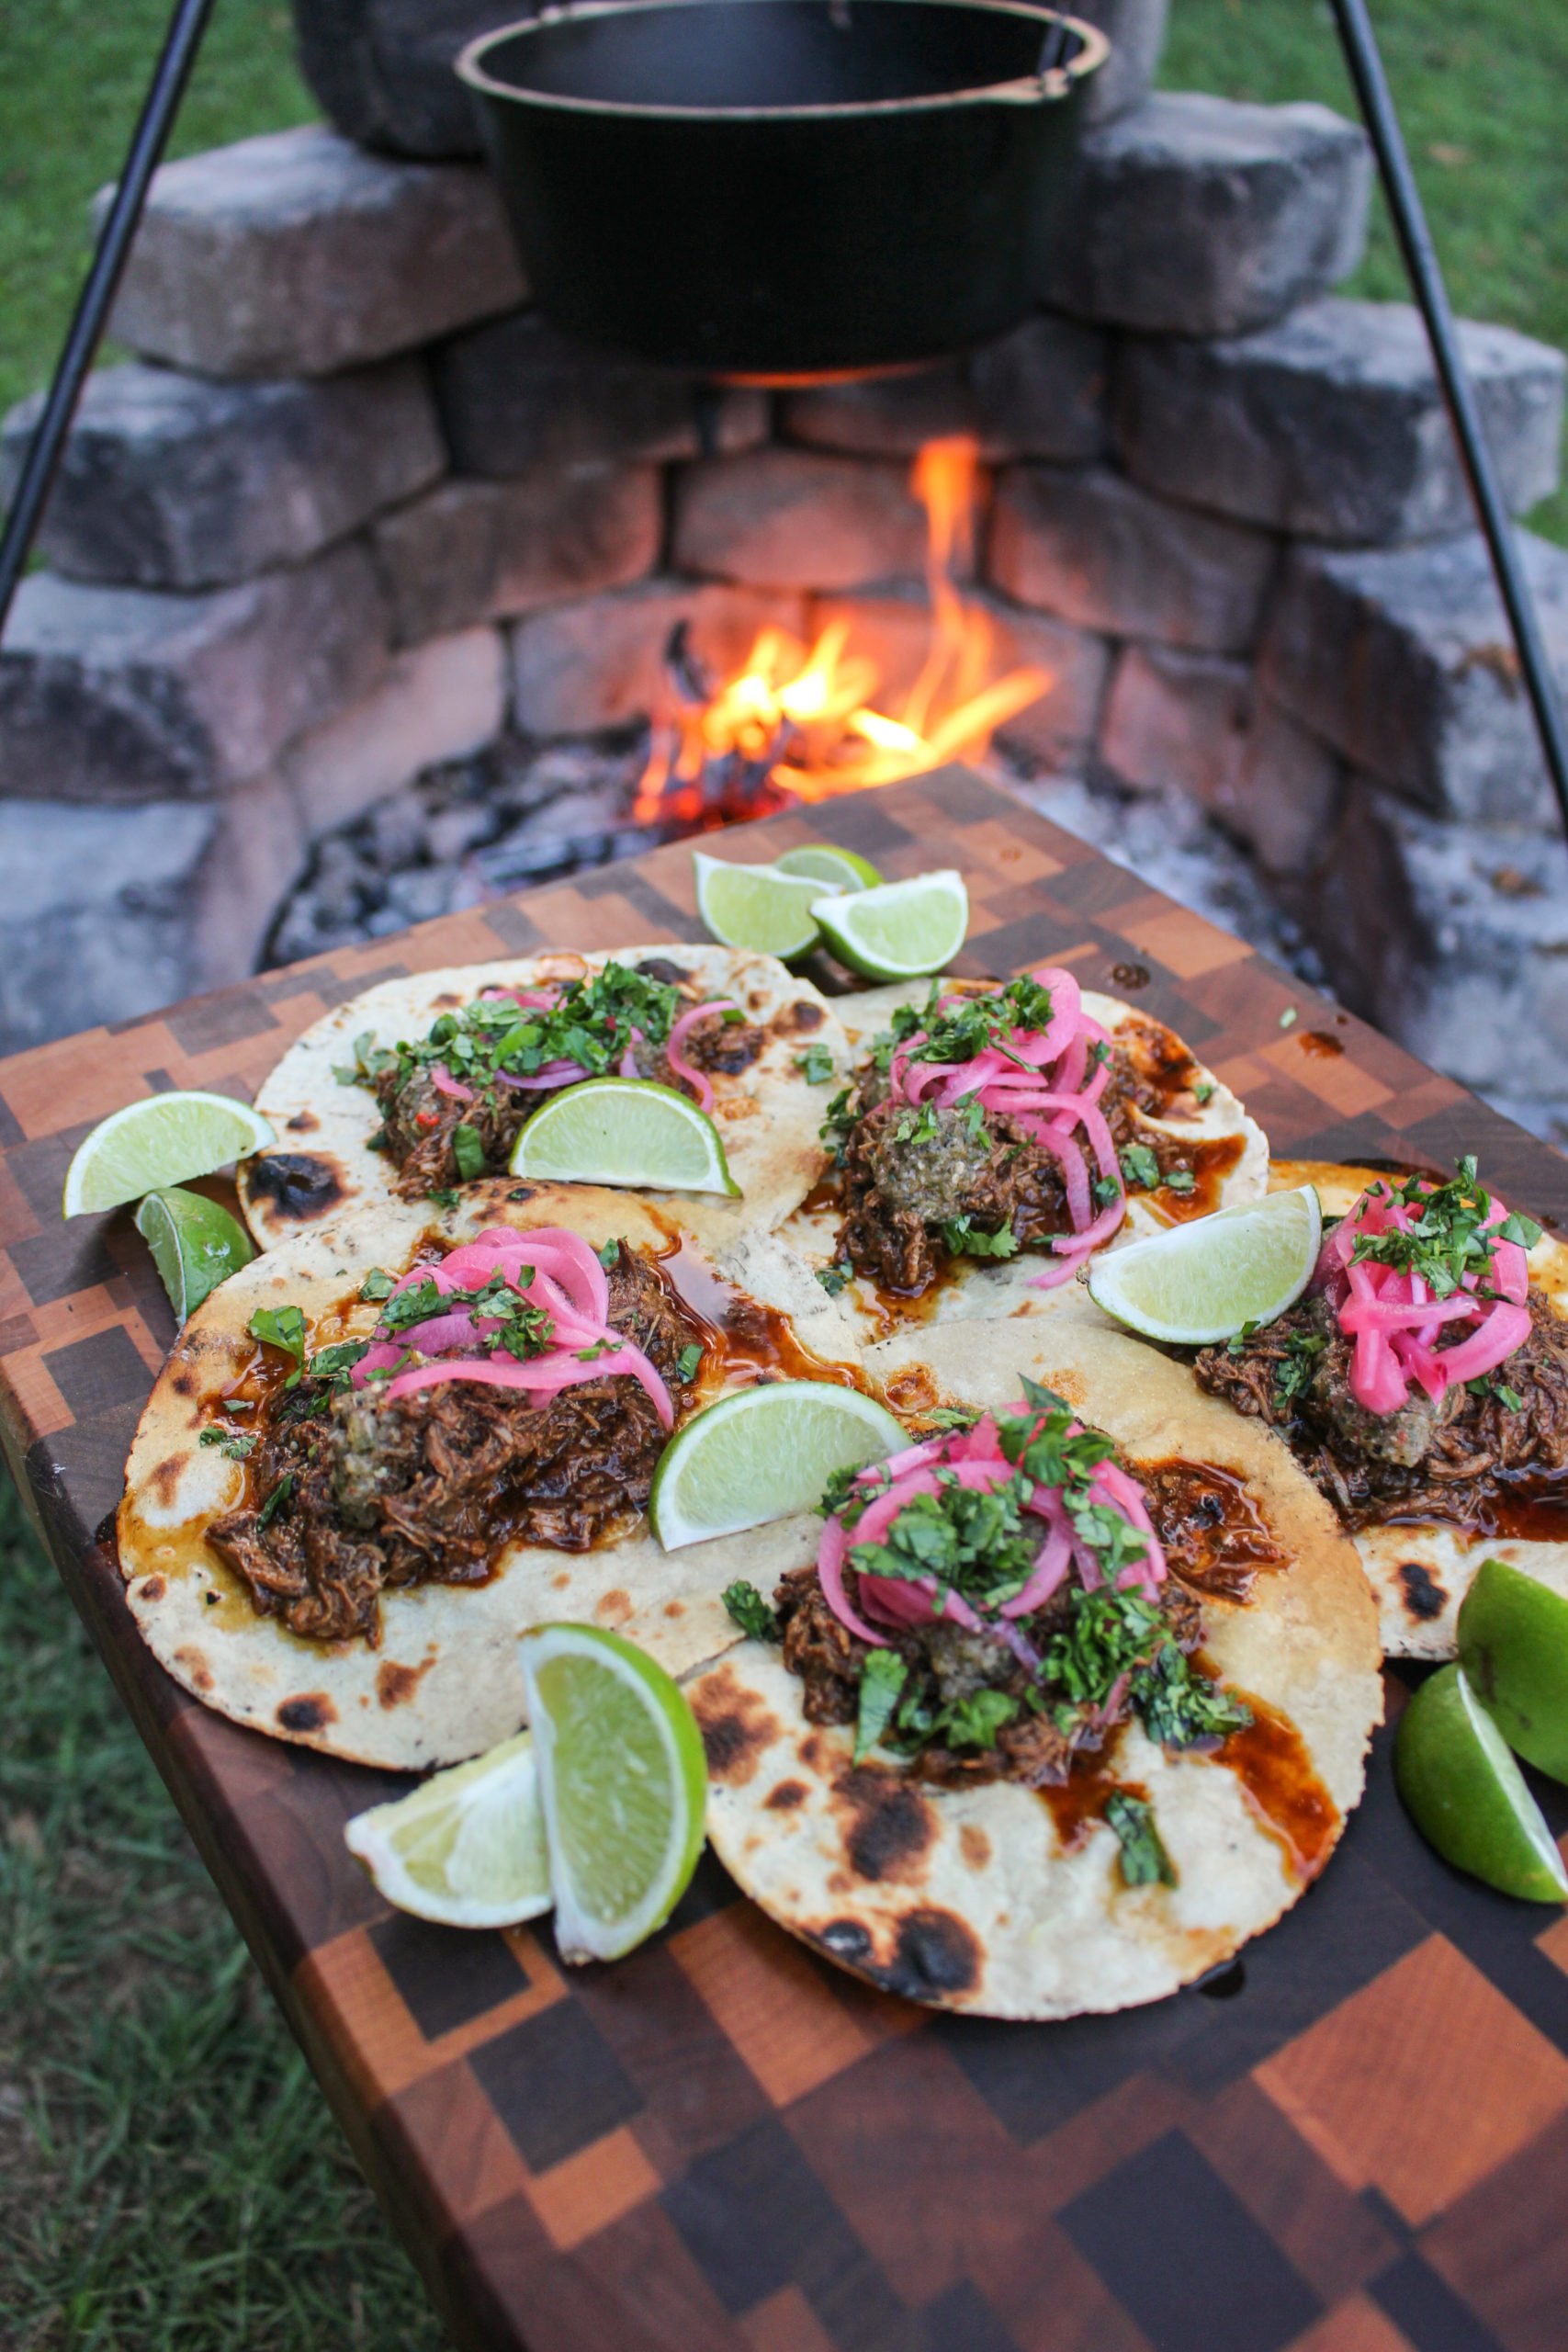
[783, 189]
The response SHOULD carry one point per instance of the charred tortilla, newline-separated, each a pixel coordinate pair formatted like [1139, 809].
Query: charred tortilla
[434, 1680]
[1188, 1122]
[986, 1898]
[766, 1107]
[1420, 1571]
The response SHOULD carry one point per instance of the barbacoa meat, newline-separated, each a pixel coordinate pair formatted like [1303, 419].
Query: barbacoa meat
[1447, 1463]
[902, 1183]
[427, 1488]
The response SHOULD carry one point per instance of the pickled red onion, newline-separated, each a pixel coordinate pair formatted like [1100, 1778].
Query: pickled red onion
[443, 1083]
[1386, 1311]
[678, 1031]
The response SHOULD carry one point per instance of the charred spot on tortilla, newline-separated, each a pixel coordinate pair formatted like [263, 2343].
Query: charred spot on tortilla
[396, 1685]
[659, 968]
[936, 1954]
[786, 1796]
[844, 1939]
[890, 1824]
[311, 1711]
[183, 1384]
[296, 1185]
[975, 1846]
[303, 1123]
[195, 1667]
[735, 1726]
[447, 1001]
[793, 1019]
[152, 1589]
[1424, 1596]
[165, 1479]
[613, 1607]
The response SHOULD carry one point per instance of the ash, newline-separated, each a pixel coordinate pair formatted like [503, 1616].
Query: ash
[522, 812]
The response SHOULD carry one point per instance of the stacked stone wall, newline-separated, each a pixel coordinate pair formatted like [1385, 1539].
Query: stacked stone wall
[353, 507]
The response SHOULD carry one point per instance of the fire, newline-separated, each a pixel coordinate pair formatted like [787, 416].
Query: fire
[800, 722]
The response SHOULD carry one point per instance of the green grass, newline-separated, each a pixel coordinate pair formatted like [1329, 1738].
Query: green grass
[1480, 87]
[170, 2178]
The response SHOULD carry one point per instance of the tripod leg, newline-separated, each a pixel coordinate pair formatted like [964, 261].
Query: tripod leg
[1426, 281]
[186, 26]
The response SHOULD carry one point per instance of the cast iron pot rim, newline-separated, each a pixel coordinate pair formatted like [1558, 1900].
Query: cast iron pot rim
[1031, 89]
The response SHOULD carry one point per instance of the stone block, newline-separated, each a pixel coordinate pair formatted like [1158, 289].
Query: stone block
[1401, 658]
[296, 254]
[1203, 216]
[441, 701]
[1285, 795]
[1095, 549]
[124, 694]
[1038, 392]
[788, 518]
[382, 69]
[1452, 938]
[581, 667]
[182, 482]
[470, 551]
[515, 394]
[1177, 719]
[1331, 424]
[895, 632]
[109, 912]
[1136, 32]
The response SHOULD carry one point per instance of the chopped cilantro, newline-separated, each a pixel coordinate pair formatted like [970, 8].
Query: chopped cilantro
[444, 1195]
[276, 1500]
[610, 1255]
[1237, 1344]
[750, 1611]
[378, 1284]
[1145, 1861]
[1509, 1396]
[591, 1022]
[369, 1061]
[1449, 1236]
[976, 1721]
[336, 1364]
[835, 1128]
[233, 1442]
[689, 1361]
[1139, 1166]
[962, 1235]
[1103, 1189]
[917, 1126]
[969, 1025]
[280, 1327]
[468, 1151]
[974, 1114]
[942, 1418]
[833, 1278]
[816, 1065]
[1181, 1179]
[1114, 1634]
[1295, 1371]
[882, 1680]
[1203, 1090]
[975, 1542]
[1289, 1018]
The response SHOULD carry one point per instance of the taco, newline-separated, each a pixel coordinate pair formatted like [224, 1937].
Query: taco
[377, 1453]
[1422, 1383]
[992, 1137]
[1073, 1698]
[420, 1086]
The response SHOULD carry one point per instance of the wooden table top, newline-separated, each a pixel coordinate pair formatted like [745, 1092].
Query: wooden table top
[1355, 2141]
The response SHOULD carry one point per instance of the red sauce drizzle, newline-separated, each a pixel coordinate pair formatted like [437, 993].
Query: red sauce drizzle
[1321, 1043]
[1274, 1766]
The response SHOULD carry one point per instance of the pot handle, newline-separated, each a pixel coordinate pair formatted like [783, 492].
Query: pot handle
[1054, 81]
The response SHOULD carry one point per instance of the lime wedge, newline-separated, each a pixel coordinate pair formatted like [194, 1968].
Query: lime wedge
[467, 1848]
[196, 1245]
[624, 1782]
[759, 908]
[900, 930]
[1467, 1796]
[1202, 1282]
[763, 1453]
[824, 861]
[1513, 1644]
[623, 1131]
[166, 1139]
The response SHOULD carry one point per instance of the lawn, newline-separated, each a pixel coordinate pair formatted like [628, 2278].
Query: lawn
[170, 2180]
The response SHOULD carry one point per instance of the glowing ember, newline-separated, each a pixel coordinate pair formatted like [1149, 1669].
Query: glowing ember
[800, 723]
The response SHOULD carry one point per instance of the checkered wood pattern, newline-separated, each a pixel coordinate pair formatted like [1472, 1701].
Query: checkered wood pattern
[1355, 2141]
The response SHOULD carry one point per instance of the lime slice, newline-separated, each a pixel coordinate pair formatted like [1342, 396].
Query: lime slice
[900, 930]
[1513, 1644]
[196, 1245]
[1202, 1282]
[467, 1848]
[826, 862]
[759, 908]
[1467, 1796]
[166, 1139]
[624, 1782]
[623, 1131]
[764, 1454]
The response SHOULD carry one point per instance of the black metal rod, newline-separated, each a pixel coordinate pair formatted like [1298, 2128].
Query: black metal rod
[1421, 261]
[187, 26]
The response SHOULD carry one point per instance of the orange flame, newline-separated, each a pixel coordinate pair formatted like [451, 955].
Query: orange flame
[808, 711]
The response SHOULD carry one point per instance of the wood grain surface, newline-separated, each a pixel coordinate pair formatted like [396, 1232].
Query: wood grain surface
[1355, 2141]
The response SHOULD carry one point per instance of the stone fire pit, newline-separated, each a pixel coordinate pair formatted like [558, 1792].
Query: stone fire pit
[353, 513]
